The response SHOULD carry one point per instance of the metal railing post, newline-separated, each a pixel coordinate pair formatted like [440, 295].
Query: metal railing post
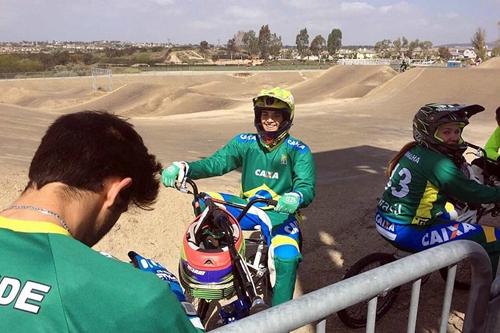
[320, 303]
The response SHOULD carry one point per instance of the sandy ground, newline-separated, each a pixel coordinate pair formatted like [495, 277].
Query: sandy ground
[353, 118]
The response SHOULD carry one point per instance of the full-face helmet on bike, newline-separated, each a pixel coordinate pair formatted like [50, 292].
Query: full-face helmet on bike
[275, 99]
[205, 267]
[430, 116]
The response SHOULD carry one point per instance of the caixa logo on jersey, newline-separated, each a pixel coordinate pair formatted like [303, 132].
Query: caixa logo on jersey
[248, 137]
[267, 174]
[447, 233]
[296, 144]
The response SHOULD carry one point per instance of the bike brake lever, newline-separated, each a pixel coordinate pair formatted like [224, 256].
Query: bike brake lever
[182, 187]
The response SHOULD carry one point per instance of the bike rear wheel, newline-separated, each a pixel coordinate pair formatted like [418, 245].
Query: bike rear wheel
[355, 316]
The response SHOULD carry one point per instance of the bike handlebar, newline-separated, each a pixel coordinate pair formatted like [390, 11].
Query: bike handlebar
[479, 149]
[202, 195]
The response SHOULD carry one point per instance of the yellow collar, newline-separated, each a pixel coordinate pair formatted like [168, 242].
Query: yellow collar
[32, 226]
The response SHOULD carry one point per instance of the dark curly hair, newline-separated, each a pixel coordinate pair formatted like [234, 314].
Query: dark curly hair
[82, 149]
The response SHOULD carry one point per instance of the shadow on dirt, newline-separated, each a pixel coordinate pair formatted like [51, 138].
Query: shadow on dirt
[348, 183]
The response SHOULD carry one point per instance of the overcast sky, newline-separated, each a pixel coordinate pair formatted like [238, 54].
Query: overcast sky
[191, 21]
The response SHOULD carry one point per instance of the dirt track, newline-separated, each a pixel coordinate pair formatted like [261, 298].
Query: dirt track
[354, 120]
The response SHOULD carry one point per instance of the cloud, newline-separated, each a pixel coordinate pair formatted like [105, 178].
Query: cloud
[304, 4]
[243, 13]
[451, 15]
[203, 25]
[163, 2]
[400, 8]
[356, 7]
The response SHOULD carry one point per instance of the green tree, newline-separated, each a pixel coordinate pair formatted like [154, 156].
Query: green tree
[61, 57]
[275, 45]
[334, 41]
[496, 50]
[302, 41]
[264, 41]
[88, 58]
[231, 47]
[444, 53]
[204, 47]
[251, 43]
[142, 58]
[404, 42]
[411, 47]
[479, 43]
[383, 48]
[29, 65]
[426, 47]
[13, 63]
[397, 44]
[288, 54]
[318, 44]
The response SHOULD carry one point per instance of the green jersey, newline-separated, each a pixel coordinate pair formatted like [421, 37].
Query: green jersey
[50, 282]
[285, 168]
[493, 144]
[421, 184]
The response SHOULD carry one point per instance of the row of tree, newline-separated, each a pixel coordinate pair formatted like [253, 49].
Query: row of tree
[267, 45]
[35, 62]
[318, 45]
[402, 47]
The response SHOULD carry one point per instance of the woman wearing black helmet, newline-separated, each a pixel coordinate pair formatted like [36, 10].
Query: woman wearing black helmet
[424, 176]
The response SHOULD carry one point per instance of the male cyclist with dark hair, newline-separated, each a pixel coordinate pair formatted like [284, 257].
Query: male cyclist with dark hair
[424, 176]
[274, 165]
[89, 168]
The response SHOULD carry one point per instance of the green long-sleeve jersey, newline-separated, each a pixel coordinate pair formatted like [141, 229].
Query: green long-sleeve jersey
[422, 182]
[285, 168]
[50, 282]
[493, 144]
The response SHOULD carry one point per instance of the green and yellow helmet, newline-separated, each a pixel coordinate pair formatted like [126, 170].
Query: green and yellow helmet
[274, 99]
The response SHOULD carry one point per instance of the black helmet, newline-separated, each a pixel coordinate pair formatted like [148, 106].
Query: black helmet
[430, 116]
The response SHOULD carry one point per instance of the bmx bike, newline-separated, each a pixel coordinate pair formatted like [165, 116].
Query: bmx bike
[218, 262]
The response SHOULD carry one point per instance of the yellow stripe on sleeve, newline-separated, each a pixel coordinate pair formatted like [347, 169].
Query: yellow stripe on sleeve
[489, 233]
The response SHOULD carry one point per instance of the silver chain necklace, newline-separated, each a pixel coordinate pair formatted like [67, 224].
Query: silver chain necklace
[42, 211]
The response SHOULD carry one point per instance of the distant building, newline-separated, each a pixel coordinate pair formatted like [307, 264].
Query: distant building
[364, 53]
[462, 53]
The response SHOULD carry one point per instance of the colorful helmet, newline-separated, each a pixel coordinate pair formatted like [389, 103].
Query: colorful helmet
[274, 99]
[430, 116]
[205, 268]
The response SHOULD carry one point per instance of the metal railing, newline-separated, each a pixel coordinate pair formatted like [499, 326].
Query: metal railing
[318, 304]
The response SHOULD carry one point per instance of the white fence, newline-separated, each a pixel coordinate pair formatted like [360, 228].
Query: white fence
[480, 316]
[369, 62]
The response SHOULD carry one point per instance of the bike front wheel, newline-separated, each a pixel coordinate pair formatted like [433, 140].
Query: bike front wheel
[355, 316]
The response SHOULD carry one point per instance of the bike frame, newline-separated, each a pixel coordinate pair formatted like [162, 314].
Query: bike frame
[247, 301]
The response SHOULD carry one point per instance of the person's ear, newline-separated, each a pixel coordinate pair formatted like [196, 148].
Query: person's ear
[114, 188]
